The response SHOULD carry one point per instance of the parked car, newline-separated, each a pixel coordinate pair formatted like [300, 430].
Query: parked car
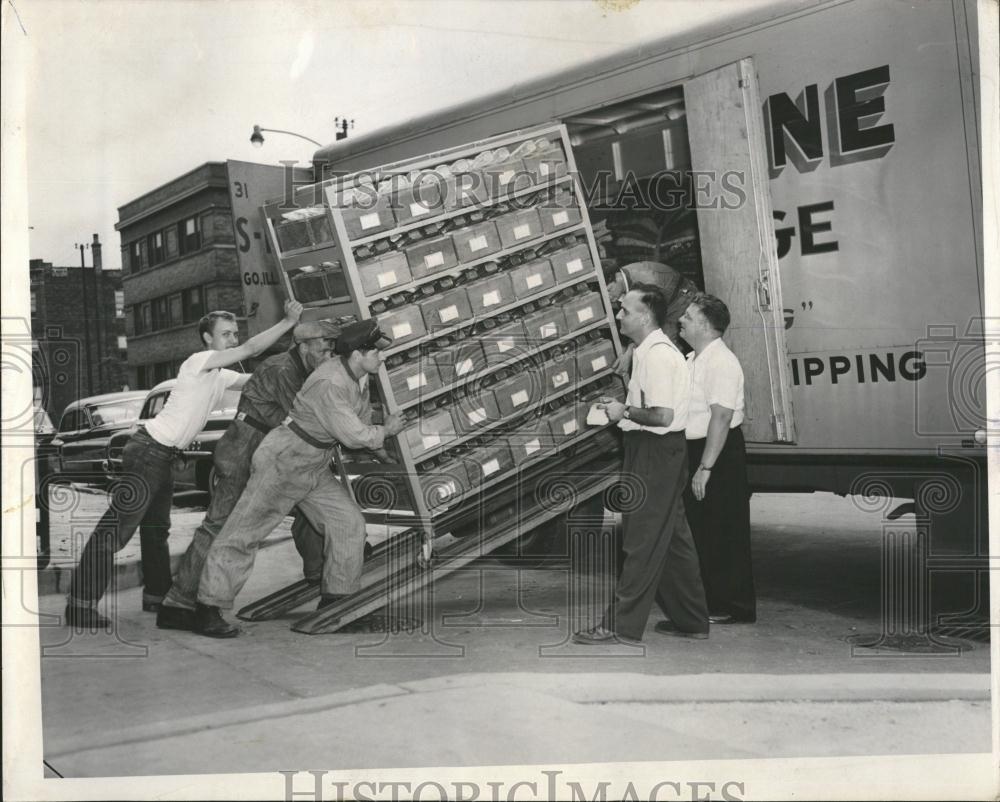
[195, 469]
[86, 427]
[44, 467]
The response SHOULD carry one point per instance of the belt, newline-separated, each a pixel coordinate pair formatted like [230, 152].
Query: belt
[293, 426]
[141, 431]
[256, 424]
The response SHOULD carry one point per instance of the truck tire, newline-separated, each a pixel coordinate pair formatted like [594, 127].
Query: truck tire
[550, 544]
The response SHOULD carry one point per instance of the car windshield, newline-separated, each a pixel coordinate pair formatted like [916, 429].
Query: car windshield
[118, 412]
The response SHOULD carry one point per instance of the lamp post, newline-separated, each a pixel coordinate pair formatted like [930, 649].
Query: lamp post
[340, 124]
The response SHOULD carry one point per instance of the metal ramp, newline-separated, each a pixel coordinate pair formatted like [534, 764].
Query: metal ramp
[393, 570]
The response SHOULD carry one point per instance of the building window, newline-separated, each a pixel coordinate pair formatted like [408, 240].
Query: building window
[161, 313]
[119, 303]
[143, 319]
[122, 342]
[176, 310]
[193, 302]
[135, 256]
[162, 371]
[188, 235]
[34, 303]
[154, 244]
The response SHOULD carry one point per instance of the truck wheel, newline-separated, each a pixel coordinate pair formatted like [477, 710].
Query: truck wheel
[550, 544]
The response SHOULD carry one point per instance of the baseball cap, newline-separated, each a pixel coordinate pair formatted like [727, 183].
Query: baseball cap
[315, 330]
[361, 336]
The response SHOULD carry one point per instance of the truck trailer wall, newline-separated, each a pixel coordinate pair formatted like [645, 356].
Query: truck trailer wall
[870, 110]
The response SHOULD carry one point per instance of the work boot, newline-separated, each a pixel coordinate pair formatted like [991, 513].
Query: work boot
[208, 621]
[84, 617]
[168, 617]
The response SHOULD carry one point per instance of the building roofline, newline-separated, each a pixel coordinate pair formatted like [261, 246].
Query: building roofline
[210, 182]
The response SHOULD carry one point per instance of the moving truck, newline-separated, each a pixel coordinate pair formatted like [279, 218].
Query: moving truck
[819, 169]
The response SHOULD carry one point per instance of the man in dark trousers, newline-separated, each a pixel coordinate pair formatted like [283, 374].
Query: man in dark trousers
[265, 401]
[661, 562]
[718, 499]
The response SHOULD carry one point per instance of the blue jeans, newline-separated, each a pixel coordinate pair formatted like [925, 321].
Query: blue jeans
[140, 499]
[232, 459]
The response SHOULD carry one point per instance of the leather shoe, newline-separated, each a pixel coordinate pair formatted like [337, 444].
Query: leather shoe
[208, 621]
[729, 619]
[599, 635]
[85, 617]
[669, 628]
[168, 617]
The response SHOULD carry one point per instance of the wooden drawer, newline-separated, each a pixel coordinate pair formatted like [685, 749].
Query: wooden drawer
[572, 263]
[519, 227]
[559, 372]
[518, 393]
[490, 461]
[532, 278]
[428, 432]
[445, 309]
[593, 358]
[412, 381]
[504, 342]
[472, 412]
[584, 310]
[403, 324]
[431, 256]
[476, 242]
[384, 273]
[544, 326]
[490, 294]
[458, 362]
[560, 212]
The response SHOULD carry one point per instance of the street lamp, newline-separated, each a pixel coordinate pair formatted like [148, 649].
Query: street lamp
[257, 137]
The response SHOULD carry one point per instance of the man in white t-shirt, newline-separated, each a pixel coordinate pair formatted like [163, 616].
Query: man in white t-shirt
[718, 499]
[661, 563]
[142, 499]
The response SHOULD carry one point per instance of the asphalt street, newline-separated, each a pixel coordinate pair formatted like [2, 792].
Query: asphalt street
[835, 666]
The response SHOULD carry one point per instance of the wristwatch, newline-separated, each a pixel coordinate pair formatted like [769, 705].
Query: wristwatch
[627, 414]
[704, 467]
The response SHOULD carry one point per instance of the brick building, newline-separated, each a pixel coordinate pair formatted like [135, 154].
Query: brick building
[78, 326]
[178, 262]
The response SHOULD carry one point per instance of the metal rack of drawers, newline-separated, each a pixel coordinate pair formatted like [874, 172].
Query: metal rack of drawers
[481, 263]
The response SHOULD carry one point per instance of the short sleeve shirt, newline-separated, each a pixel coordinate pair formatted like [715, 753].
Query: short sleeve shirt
[716, 378]
[196, 394]
[659, 379]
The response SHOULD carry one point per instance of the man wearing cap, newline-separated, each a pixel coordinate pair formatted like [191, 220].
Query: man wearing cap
[291, 467]
[265, 401]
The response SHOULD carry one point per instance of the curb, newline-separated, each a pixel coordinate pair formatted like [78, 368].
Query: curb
[55, 579]
[588, 689]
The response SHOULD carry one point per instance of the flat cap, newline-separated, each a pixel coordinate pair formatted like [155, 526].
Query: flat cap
[361, 336]
[316, 330]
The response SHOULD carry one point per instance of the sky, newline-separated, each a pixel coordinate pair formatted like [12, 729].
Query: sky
[125, 95]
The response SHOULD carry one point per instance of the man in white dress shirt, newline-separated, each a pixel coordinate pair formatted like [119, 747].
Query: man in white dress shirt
[718, 500]
[661, 563]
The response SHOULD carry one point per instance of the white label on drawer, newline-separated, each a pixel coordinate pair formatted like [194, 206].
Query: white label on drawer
[491, 298]
[448, 314]
[387, 278]
[505, 344]
[598, 364]
[477, 415]
[548, 330]
[506, 176]
[532, 446]
[448, 489]
[491, 467]
[560, 218]
[463, 367]
[417, 209]
[431, 440]
[413, 382]
[534, 280]
[574, 266]
[585, 314]
[569, 427]
[520, 232]
[520, 397]
[401, 330]
[478, 243]
[543, 168]
[434, 259]
[369, 220]
[560, 379]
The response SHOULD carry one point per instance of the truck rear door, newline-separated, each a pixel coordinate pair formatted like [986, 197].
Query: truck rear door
[739, 257]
